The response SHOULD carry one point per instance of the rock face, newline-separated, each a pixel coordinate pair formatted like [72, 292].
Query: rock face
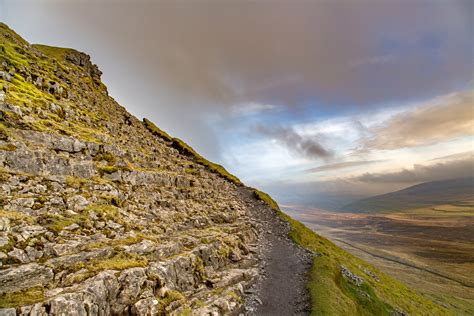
[100, 216]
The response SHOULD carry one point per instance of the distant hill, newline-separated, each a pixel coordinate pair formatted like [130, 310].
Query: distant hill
[420, 195]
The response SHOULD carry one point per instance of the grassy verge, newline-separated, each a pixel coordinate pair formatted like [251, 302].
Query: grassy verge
[30, 296]
[187, 150]
[334, 294]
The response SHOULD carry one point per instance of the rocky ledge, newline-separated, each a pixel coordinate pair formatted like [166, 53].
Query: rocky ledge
[101, 215]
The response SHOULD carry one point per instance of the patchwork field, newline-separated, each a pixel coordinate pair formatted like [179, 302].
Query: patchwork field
[431, 248]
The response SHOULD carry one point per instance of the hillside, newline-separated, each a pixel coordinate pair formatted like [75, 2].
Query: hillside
[417, 196]
[103, 214]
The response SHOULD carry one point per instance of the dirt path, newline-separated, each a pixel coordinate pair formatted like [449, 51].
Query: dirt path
[281, 289]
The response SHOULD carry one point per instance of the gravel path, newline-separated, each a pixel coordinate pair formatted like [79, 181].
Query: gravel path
[281, 288]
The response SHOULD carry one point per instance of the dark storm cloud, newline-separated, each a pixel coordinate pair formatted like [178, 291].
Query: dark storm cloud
[307, 146]
[287, 52]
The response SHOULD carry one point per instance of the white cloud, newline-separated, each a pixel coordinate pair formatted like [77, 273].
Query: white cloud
[266, 160]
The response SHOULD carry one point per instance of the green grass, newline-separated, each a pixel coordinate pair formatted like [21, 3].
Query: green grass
[156, 131]
[118, 262]
[262, 196]
[75, 182]
[56, 223]
[27, 297]
[16, 216]
[107, 169]
[187, 150]
[105, 211]
[333, 294]
[58, 53]
[170, 297]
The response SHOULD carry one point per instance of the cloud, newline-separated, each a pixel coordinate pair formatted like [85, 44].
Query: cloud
[423, 173]
[342, 165]
[184, 63]
[337, 192]
[284, 52]
[373, 60]
[308, 146]
[462, 155]
[441, 119]
[251, 108]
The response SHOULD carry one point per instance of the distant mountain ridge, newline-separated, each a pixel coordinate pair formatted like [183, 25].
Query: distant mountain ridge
[420, 195]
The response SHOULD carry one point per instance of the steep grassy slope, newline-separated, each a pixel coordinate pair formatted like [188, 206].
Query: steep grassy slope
[417, 196]
[335, 294]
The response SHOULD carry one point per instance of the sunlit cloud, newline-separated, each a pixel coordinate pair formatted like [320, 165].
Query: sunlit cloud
[441, 119]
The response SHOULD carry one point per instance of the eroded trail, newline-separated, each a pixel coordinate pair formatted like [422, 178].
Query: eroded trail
[281, 287]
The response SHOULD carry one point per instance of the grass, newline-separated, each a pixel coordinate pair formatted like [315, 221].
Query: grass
[25, 94]
[155, 130]
[57, 223]
[262, 196]
[106, 156]
[107, 169]
[27, 297]
[104, 211]
[332, 294]
[170, 297]
[75, 182]
[4, 132]
[120, 261]
[116, 242]
[8, 147]
[16, 216]
[57, 53]
[187, 150]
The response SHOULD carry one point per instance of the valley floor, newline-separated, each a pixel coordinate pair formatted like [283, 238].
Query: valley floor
[430, 253]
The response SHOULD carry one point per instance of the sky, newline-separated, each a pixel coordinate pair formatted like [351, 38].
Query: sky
[316, 102]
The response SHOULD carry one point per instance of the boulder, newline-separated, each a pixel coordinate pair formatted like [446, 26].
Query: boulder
[24, 276]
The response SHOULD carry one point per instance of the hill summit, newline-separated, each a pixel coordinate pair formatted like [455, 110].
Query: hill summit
[104, 214]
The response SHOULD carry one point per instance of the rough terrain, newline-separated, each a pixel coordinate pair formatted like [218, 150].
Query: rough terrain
[100, 214]
[281, 286]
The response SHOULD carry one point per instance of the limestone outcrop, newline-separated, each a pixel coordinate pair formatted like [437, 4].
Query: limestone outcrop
[98, 215]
